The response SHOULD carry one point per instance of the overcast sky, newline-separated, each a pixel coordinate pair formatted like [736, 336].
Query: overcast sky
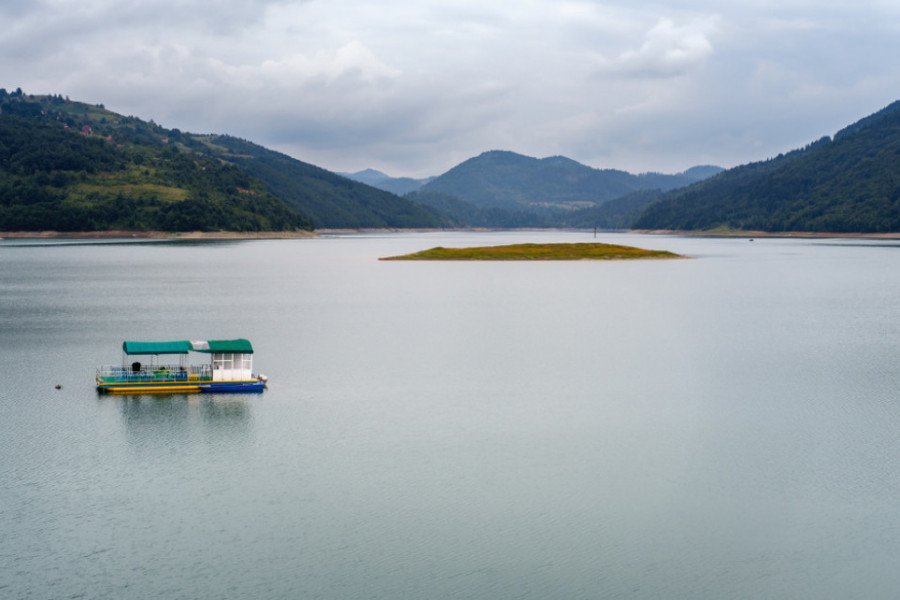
[413, 87]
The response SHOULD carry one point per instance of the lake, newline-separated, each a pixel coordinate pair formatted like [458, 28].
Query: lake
[726, 426]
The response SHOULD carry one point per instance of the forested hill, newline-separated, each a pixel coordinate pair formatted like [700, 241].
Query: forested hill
[848, 184]
[70, 166]
[509, 181]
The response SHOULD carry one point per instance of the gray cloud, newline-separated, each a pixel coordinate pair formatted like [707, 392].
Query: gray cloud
[413, 88]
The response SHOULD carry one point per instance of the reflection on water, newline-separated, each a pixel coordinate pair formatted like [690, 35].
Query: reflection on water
[166, 419]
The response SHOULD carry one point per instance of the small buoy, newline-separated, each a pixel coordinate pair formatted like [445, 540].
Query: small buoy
[58, 386]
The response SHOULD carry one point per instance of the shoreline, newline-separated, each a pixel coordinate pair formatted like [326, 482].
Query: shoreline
[160, 235]
[277, 235]
[769, 234]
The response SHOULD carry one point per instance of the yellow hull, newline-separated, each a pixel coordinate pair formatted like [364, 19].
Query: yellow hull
[147, 389]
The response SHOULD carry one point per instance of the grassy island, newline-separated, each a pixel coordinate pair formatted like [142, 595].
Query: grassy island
[578, 251]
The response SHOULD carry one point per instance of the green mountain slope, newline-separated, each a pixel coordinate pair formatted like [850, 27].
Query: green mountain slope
[67, 166]
[331, 200]
[847, 184]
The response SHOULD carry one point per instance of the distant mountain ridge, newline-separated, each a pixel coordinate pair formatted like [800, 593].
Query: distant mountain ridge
[504, 189]
[652, 180]
[510, 181]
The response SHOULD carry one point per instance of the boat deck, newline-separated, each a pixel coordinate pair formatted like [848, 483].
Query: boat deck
[154, 373]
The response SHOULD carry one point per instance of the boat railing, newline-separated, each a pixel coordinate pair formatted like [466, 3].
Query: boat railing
[121, 374]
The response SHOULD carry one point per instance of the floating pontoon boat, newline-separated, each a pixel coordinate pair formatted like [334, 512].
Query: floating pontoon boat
[165, 368]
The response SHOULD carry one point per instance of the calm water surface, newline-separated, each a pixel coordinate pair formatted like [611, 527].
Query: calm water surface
[721, 427]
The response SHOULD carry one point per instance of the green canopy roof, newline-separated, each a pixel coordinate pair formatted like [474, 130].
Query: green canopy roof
[239, 346]
[181, 347]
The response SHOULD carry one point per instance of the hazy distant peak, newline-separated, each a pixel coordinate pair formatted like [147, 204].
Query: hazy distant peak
[367, 175]
[702, 171]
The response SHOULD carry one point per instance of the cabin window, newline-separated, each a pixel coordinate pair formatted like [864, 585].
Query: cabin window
[228, 361]
[223, 361]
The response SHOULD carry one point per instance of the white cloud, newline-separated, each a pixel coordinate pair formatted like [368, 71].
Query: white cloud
[668, 50]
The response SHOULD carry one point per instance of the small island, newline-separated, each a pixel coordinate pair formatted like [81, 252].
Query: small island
[577, 251]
